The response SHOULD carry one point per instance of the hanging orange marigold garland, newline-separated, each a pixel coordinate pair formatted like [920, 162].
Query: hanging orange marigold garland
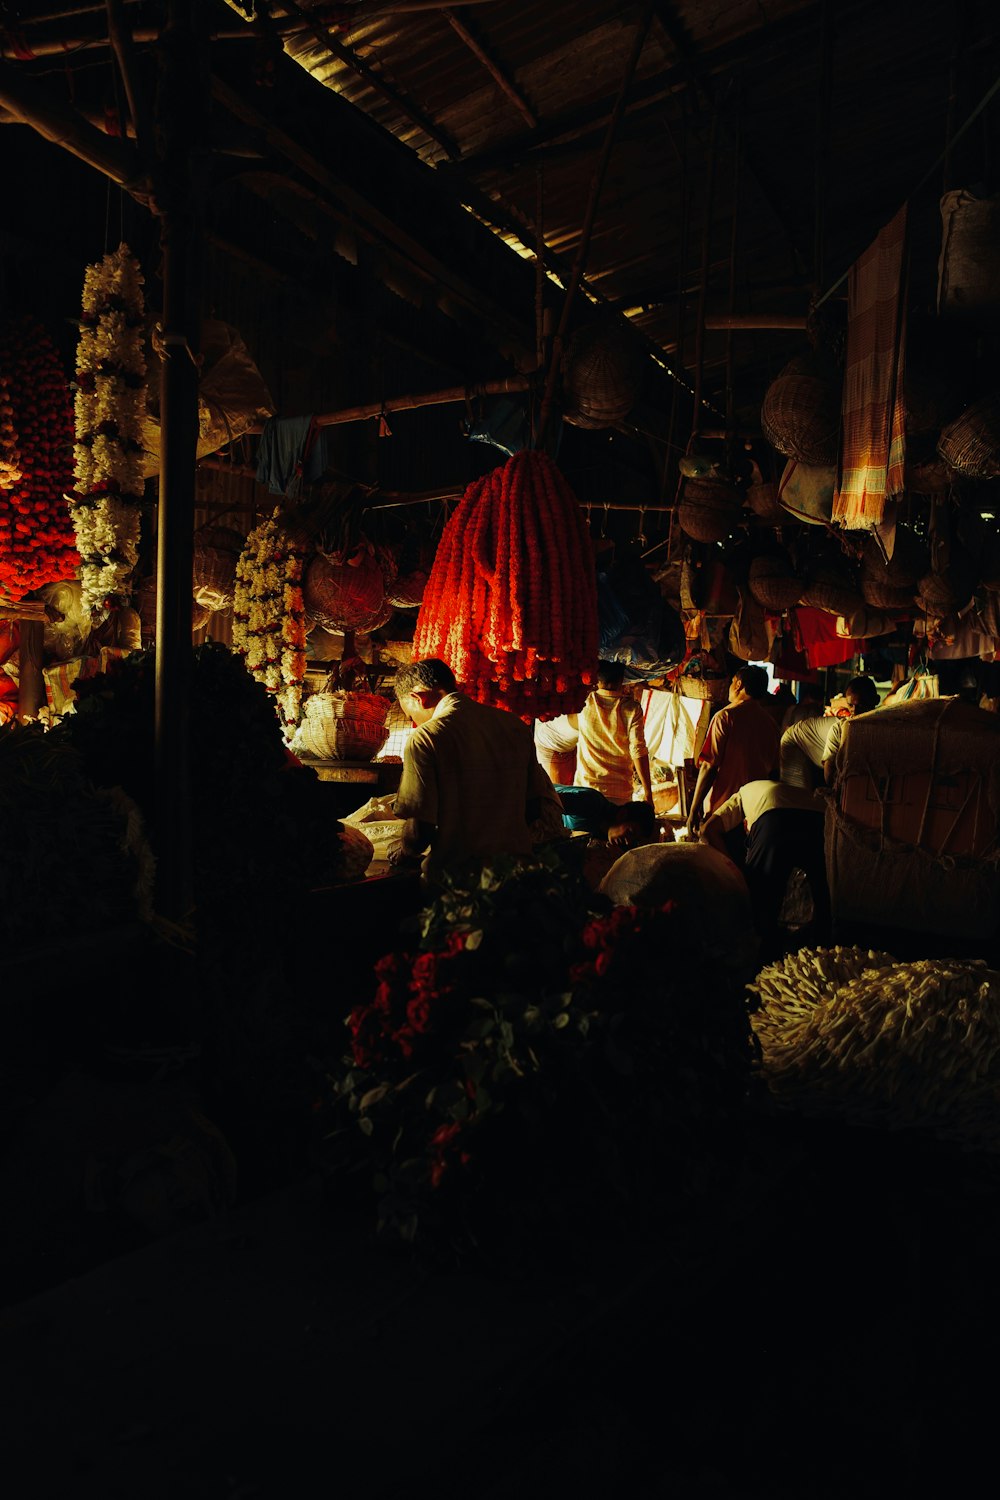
[511, 601]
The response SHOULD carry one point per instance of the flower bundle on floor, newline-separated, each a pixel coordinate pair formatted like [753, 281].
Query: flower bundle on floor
[36, 457]
[269, 617]
[511, 602]
[538, 1063]
[110, 407]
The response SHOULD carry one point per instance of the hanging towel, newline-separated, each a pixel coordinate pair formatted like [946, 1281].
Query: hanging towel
[872, 413]
[291, 449]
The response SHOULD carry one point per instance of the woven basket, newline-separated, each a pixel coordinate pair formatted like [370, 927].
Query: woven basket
[345, 593]
[709, 509]
[407, 592]
[948, 591]
[603, 374]
[213, 573]
[910, 560]
[879, 594]
[971, 444]
[762, 499]
[145, 604]
[712, 689]
[773, 583]
[800, 416]
[342, 726]
[831, 589]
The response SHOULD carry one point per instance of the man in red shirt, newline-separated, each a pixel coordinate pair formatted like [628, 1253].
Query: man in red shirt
[741, 745]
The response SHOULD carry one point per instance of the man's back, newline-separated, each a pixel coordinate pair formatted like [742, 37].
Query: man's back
[743, 745]
[610, 733]
[470, 770]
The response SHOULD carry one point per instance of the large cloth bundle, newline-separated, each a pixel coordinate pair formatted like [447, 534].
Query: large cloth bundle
[708, 888]
[913, 829]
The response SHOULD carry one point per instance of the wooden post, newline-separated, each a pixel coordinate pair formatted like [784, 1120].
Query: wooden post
[30, 682]
[182, 115]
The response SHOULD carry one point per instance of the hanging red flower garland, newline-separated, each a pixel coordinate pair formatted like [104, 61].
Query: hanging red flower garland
[511, 602]
[37, 545]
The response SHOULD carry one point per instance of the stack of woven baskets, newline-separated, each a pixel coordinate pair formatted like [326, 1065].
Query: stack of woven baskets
[339, 725]
[893, 584]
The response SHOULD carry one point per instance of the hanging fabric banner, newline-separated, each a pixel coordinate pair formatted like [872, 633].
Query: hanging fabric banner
[872, 411]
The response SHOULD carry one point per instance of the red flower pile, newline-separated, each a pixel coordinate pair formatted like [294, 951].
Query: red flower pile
[37, 544]
[410, 1003]
[511, 602]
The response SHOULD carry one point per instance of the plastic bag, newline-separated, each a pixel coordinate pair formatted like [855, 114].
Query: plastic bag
[377, 820]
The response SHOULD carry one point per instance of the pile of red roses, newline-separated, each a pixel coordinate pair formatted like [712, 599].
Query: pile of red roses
[540, 1062]
[411, 1003]
[37, 543]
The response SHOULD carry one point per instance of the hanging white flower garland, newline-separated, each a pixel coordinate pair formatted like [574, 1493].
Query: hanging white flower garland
[269, 627]
[110, 405]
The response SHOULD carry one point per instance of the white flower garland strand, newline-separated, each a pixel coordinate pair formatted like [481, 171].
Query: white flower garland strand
[110, 405]
[269, 628]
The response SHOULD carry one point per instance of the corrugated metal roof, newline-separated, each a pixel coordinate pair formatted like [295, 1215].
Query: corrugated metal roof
[723, 151]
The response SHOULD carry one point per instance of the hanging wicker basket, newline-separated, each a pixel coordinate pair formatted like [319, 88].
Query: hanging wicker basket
[710, 510]
[763, 500]
[407, 592]
[880, 594]
[948, 590]
[603, 373]
[213, 573]
[773, 583]
[832, 589]
[971, 444]
[145, 604]
[910, 560]
[345, 592]
[342, 725]
[800, 416]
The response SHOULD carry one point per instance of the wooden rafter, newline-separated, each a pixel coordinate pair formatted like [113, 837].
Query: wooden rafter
[350, 59]
[492, 67]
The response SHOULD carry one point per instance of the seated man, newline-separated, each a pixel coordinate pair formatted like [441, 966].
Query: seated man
[612, 829]
[586, 810]
[784, 833]
[471, 787]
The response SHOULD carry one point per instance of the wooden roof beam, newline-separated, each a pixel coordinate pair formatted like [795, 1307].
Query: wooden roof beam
[378, 228]
[27, 102]
[492, 67]
[350, 59]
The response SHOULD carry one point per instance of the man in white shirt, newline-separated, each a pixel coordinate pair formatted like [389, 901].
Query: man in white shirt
[471, 785]
[611, 746]
[808, 748]
[784, 833]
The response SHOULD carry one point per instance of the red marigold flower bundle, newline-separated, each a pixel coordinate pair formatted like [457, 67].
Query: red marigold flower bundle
[511, 601]
[37, 545]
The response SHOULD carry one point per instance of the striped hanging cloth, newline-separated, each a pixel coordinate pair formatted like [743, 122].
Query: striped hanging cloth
[872, 412]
